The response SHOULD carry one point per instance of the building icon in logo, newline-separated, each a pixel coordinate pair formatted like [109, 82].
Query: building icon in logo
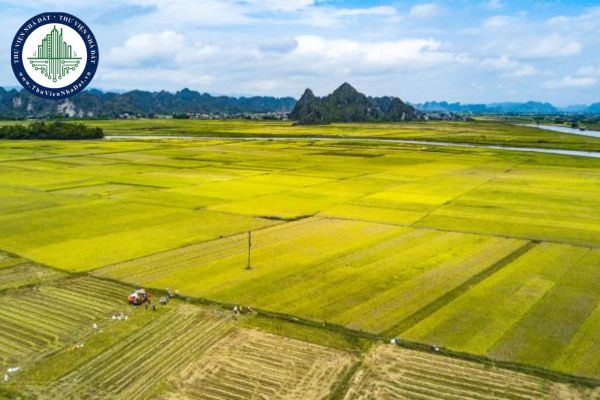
[54, 57]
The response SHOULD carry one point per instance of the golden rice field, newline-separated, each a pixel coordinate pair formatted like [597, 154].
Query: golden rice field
[481, 131]
[548, 301]
[490, 253]
[383, 273]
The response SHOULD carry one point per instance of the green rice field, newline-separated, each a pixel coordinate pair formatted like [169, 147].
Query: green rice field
[482, 131]
[488, 254]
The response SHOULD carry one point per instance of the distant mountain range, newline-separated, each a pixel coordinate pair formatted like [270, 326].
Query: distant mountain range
[346, 104]
[530, 107]
[95, 103]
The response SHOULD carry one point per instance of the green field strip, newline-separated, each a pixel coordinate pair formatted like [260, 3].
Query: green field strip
[65, 190]
[9, 260]
[17, 332]
[528, 313]
[342, 386]
[49, 323]
[126, 236]
[216, 261]
[489, 328]
[160, 264]
[26, 274]
[76, 300]
[449, 296]
[87, 154]
[126, 270]
[169, 196]
[458, 194]
[378, 214]
[306, 287]
[37, 305]
[546, 329]
[459, 229]
[89, 284]
[541, 335]
[37, 321]
[451, 223]
[497, 226]
[372, 266]
[465, 256]
[335, 240]
[10, 393]
[48, 326]
[580, 355]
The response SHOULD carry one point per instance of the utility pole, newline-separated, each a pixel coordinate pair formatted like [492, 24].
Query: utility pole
[248, 266]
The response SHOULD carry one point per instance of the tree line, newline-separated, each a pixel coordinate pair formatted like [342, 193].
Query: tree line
[52, 130]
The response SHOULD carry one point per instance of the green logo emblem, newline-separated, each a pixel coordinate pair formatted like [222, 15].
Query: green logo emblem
[54, 58]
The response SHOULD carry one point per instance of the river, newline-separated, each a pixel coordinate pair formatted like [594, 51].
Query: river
[565, 152]
[564, 129]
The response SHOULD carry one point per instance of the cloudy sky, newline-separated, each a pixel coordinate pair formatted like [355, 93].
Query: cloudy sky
[454, 50]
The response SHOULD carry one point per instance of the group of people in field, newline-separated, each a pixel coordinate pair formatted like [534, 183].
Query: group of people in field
[238, 310]
[164, 300]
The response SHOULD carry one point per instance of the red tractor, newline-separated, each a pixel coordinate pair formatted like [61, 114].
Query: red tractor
[138, 297]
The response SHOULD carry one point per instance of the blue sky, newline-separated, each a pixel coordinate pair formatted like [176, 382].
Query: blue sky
[454, 50]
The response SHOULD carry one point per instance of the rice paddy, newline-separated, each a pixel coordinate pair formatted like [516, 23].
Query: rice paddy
[486, 252]
[480, 131]
[254, 365]
[541, 309]
[393, 373]
[41, 319]
[76, 338]
[133, 367]
[382, 273]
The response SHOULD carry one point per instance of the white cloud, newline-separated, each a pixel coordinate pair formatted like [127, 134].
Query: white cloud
[425, 10]
[146, 79]
[532, 46]
[377, 11]
[500, 21]
[164, 49]
[589, 20]
[509, 67]
[329, 17]
[192, 14]
[571, 82]
[588, 71]
[494, 5]
[550, 46]
[354, 54]
[260, 13]
[279, 5]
